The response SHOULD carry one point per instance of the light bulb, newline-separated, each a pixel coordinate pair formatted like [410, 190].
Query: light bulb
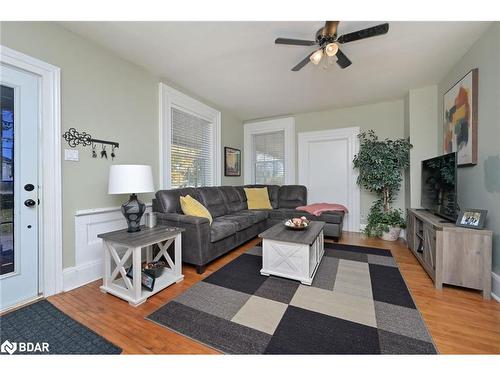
[316, 57]
[331, 49]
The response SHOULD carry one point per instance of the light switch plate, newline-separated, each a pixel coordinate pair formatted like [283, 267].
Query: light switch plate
[71, 155]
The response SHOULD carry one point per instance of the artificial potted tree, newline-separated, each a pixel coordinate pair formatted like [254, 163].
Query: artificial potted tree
[380, 164]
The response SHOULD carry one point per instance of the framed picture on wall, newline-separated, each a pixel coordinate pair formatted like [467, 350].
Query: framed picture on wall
[232, 162]
[460, 119]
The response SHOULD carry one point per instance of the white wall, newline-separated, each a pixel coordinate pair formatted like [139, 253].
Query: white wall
[422, 114]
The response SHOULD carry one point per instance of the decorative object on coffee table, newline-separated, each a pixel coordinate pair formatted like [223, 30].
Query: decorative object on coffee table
[131, 179]
[297, 223]
[292, 255]
[232, 162]
[116, 282]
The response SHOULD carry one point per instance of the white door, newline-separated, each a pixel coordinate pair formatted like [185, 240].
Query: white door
[325, 167]
[19, 271]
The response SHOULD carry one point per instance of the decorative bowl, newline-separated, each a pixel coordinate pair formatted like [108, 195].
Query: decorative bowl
[297, 223]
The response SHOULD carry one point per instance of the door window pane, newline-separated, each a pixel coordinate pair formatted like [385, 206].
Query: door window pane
[7, 181]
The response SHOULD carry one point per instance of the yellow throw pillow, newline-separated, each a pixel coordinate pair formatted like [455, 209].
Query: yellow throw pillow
[192, 207]
[257, 198]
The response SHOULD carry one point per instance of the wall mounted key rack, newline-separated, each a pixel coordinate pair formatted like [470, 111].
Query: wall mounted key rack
[75, 138]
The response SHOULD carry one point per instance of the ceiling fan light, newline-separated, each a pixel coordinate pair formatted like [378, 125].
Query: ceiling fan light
[316, 57]
[331, 49]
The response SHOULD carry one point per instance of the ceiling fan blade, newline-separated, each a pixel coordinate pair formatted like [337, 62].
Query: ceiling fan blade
[343, 60]
[365, 33]
[330, 27]
[303, 63]
[295, 42]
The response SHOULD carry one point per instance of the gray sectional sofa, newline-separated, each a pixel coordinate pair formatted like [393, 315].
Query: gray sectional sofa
[233, 223]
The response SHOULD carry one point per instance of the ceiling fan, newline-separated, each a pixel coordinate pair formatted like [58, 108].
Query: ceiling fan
[328, 42]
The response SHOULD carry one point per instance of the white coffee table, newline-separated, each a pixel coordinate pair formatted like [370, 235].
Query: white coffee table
[293, 254]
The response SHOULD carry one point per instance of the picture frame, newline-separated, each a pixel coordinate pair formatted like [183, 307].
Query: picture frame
[472, 218]
[147, 281]
[232, 162]
[460, 114]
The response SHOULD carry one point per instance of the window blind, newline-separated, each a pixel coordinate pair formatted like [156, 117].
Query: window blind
[269, 155]
[191, 152]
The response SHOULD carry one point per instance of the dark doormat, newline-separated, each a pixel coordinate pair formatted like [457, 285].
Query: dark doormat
[29, 330]
[358, 304]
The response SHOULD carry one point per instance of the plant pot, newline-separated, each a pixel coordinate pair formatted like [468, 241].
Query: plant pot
[392, 234]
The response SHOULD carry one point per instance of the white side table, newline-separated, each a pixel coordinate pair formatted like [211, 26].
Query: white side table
[131, 290]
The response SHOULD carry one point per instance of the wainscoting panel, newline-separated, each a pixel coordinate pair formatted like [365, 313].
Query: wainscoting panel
[89, 250]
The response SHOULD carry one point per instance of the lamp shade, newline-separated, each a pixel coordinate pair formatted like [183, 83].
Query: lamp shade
[129, 179]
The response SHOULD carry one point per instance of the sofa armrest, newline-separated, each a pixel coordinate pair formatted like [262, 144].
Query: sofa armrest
[195, 238]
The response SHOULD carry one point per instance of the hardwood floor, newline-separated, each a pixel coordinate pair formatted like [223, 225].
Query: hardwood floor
[459, 320]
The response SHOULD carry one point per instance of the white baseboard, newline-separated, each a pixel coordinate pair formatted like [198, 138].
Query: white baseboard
[495, 286]
[74, 277]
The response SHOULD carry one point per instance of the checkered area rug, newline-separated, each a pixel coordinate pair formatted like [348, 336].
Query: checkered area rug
[358, 304]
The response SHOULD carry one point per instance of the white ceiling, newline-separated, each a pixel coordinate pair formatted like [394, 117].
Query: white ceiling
[237, 66]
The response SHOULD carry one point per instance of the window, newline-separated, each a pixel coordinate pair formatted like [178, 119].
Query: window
[269, 154]
[191, 151]
[190, 141]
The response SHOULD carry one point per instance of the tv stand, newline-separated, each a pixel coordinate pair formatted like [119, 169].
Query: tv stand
[450, 254]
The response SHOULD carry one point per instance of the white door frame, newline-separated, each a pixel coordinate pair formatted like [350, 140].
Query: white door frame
[286, 124]
[49, 166]
[351, 135]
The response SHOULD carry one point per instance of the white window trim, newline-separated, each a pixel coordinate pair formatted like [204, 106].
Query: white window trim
[171, 98]
[50, 212]
[286, 124]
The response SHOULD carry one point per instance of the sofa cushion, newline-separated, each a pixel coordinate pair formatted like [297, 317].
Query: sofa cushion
[169, 200]
[256, 215]
[257, 198]
[192, 207]
[332, 217]
[272, 190]
[241, 220]
[291, 196]
[212, 199]
[234, 198]
[221, 229]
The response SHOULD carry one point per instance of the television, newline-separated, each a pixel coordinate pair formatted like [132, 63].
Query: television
[439, 186]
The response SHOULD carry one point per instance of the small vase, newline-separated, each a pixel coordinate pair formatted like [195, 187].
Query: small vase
[392, 234]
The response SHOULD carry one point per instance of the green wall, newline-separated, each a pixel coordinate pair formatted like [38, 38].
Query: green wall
[109, 98]
[479, 186]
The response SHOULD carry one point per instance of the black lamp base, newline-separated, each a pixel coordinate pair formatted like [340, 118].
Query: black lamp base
[133, 211]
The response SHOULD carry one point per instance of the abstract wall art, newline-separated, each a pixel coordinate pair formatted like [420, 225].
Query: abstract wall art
[460, 119]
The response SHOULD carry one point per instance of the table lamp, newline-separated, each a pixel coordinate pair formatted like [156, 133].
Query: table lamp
[131, 179]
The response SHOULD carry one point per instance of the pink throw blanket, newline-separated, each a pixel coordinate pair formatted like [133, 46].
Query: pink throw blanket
[317, 209]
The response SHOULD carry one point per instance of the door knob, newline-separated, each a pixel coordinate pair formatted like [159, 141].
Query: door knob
[29, 203]
[29, 187]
